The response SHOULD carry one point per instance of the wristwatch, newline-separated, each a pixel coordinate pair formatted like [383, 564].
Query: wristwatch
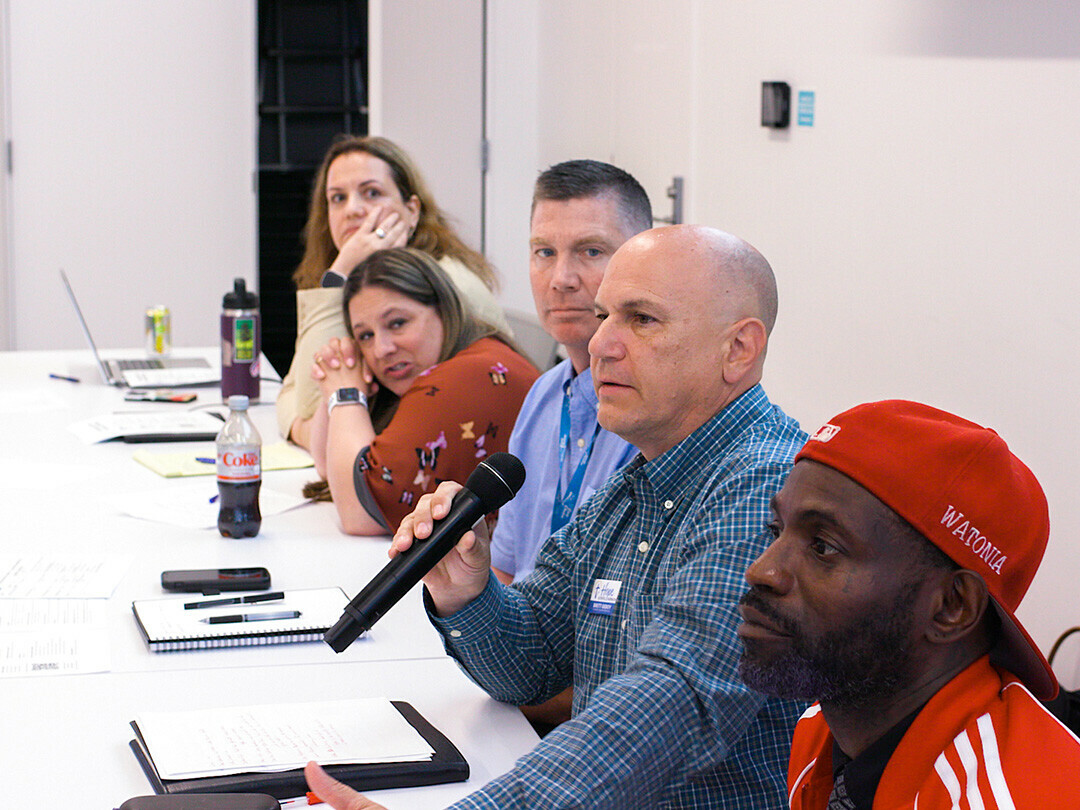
[345, 396]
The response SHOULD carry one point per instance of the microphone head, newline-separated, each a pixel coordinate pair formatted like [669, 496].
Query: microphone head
[496, 480]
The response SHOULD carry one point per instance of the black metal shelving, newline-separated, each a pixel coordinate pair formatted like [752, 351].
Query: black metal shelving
[312, 85]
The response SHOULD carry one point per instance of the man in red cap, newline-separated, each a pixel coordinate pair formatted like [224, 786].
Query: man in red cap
[905, 538]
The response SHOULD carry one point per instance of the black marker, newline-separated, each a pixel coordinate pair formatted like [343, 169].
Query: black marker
[237, 600]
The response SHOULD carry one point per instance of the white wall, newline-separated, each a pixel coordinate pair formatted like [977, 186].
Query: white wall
[925, 231]
[426, 60]
[513, 130]
[7, 326]
[559, 88]
[134, 151]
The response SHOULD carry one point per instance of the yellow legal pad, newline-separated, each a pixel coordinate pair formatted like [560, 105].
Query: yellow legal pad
[279, 456]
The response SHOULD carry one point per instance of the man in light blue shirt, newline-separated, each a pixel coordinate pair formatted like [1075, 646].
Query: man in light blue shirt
[582, 211]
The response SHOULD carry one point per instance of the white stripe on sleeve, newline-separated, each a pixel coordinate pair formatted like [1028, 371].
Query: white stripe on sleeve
[971, 766]
[798, 781]
[948, 779]
[992, 758]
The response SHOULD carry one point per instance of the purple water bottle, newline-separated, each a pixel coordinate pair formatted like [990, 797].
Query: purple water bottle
[241, 343]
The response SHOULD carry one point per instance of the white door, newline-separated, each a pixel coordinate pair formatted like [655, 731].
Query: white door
[7, 324]
[133, 150]
[427, 83]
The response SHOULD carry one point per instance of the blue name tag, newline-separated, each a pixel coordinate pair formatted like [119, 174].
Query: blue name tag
[605, 593]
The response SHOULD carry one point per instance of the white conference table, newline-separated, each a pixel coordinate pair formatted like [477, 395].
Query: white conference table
[66, 736]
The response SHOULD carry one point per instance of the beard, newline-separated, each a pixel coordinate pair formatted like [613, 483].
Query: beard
[851, 666]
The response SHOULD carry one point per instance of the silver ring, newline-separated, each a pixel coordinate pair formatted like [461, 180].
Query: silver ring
[379, 232]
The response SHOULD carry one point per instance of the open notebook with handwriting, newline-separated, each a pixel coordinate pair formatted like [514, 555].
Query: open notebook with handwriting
[369, 743]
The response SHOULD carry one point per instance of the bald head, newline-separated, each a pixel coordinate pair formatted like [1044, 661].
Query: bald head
[708, 261]
[685, 315]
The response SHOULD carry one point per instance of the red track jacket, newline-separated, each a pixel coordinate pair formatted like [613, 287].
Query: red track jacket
[983, 742]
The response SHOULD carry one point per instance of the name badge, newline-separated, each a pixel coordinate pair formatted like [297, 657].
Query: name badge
[605, 593]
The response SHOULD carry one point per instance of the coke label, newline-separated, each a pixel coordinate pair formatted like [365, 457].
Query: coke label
[239, 463]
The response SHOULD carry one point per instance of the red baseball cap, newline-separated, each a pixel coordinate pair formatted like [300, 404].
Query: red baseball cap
[959, 485]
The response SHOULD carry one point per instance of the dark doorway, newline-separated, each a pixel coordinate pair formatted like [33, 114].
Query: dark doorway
[312, 85]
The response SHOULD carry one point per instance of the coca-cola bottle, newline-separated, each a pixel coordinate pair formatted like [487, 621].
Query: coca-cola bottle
[239, 472]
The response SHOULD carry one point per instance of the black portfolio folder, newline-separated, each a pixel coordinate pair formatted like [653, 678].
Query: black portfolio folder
[446, 765]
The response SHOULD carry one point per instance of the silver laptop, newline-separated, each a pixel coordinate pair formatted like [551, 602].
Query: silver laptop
[147, 372]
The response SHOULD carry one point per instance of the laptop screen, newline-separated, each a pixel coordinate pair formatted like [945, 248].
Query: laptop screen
[85, 329]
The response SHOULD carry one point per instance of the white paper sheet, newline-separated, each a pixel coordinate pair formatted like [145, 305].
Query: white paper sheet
[53, 637]
[175, 423]
[59, 576]
[18, 615]
[212, 742]
[35, 400]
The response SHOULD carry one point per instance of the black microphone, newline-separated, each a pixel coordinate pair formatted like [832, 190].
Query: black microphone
[495, 481]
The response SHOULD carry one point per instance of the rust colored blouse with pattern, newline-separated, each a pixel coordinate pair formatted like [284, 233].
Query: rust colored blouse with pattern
[454, 415]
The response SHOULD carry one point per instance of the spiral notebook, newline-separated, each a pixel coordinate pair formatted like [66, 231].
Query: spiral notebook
[167, 625]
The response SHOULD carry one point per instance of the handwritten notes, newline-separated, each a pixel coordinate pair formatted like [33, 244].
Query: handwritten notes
[215, 742]
[60, 576]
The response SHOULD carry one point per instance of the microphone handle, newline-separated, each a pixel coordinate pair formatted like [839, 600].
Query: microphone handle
[400, 574]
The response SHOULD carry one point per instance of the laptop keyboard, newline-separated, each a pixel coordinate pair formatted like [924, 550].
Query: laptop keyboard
[156, 363]
[131, 365]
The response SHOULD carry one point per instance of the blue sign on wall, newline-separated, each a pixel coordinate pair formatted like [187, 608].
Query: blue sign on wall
[806, 108]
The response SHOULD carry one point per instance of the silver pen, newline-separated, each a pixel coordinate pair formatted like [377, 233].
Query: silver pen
[252, 617]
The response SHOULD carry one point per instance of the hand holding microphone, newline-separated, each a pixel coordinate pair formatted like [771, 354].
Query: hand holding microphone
[494, 482]
[463, 573]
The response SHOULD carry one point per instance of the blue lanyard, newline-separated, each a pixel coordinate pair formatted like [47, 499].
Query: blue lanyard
[563, 507]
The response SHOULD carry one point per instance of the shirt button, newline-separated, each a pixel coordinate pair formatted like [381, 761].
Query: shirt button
[455, 634]
[669, 504]
[580, 442]
[643, 547]
[623, 624]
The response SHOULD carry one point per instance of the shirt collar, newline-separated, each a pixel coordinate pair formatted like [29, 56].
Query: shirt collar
[862, 774]
[667, 473]
[581, 385]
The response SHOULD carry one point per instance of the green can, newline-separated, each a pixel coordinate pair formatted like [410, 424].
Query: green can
[158, 331]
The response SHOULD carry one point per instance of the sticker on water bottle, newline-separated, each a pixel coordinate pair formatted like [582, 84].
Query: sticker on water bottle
[244, 340]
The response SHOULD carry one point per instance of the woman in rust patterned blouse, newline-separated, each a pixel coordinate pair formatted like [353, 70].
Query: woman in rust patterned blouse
[419, 393]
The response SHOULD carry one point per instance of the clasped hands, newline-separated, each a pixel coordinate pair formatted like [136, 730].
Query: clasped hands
[339, 364]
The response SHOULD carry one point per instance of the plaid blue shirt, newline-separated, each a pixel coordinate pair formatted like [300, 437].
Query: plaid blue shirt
[660, 715]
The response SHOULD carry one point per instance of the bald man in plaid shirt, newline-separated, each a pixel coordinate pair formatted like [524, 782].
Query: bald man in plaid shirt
[634, 602]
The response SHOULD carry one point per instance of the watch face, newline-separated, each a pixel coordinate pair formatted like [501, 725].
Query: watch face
[348, 395]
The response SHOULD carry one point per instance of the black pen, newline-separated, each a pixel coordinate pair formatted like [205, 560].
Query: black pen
[237, 600]
[252, 617]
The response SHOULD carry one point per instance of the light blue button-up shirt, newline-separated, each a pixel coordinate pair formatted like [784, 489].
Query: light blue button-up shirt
[525, 522]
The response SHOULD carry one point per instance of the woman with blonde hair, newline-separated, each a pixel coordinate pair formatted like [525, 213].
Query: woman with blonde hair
[367, 196]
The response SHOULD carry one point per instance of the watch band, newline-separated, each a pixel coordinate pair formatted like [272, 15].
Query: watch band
[345, 396]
